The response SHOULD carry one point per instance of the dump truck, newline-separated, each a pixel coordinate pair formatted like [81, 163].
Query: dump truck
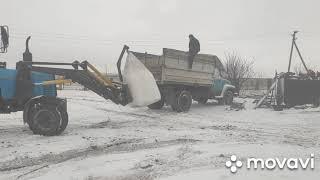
[179, 85]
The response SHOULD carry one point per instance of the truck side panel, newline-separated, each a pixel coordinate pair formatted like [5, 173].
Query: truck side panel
[179, 60]
[172, 67]
[190, 77]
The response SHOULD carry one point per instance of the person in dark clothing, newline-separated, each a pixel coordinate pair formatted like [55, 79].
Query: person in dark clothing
[194, 49]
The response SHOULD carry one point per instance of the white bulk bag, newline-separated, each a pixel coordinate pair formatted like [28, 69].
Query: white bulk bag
[141, 83]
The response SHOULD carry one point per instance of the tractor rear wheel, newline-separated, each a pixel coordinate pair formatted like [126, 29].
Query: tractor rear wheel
[46, 118]
[64, 121]
[46, 121]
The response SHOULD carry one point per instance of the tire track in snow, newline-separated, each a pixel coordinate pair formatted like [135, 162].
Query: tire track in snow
[130, 145]
[128, 113]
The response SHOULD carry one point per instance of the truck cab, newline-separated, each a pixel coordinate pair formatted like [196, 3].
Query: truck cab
[218, 84]
[223, 91]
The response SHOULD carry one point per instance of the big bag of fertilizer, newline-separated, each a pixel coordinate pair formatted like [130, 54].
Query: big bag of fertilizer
[141, 83]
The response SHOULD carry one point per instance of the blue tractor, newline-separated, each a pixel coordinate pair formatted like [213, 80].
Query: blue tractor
[32, 89]
[23, 90]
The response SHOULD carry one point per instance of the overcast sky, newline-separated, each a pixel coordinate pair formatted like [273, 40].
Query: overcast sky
[96, 30]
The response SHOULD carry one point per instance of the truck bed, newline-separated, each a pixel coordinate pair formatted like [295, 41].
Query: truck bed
[172, 67]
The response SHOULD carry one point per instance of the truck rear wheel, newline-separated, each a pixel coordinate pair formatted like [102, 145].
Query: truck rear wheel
[182, 101]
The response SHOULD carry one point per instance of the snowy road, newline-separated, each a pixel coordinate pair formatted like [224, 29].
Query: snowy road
[106, 141]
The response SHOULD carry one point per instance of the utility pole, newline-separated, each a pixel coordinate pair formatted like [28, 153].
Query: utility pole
[294, 44]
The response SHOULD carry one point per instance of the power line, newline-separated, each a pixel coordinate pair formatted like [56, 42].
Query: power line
[153, 39]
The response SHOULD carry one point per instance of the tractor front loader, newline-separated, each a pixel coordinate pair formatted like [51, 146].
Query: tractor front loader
[31, 88]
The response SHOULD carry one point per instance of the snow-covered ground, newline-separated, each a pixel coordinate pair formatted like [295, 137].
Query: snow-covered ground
[107, 141]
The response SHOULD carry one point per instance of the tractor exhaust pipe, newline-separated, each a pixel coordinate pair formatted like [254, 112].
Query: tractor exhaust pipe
[27, 55]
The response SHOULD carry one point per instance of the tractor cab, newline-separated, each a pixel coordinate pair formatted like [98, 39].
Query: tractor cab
[18, 86]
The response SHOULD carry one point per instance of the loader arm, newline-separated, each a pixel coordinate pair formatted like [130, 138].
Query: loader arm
[85, 74]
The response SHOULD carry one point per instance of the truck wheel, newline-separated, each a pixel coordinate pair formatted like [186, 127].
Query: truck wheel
[202, 100]
[228, 98]
[174, 104]
[173, 107]
[157, 105]
[182, 102]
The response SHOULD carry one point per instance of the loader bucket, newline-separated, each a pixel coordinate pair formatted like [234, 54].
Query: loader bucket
[141, 84]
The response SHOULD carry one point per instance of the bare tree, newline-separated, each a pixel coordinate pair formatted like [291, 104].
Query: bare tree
[237, 69]
[298, 69]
